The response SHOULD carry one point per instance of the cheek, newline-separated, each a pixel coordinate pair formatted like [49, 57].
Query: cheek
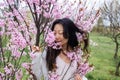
[65, 41]
[61, 38]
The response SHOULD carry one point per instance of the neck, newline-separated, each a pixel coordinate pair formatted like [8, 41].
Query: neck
[64, 47]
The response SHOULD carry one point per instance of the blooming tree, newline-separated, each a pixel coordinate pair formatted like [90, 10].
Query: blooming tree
[111, 13]
[23, 23]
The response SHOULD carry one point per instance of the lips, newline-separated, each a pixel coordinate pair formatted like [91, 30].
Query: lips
[58, 41]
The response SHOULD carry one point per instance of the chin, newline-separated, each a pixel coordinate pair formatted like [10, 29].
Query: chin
[61, 44]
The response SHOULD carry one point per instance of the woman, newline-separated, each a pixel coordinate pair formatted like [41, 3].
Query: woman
[56, 61]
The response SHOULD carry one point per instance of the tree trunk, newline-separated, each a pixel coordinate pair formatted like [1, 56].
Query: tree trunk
[117, 46]
[37, 37]
[117, 69]
[116, 51]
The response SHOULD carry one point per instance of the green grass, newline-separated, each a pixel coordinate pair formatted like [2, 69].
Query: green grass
[102, 58]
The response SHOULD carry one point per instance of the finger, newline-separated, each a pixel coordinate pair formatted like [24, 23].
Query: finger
[33, 48]
[78, 77]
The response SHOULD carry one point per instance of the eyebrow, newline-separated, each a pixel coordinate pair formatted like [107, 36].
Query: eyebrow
[58, 30]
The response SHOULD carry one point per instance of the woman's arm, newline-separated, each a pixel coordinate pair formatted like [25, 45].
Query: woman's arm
[39, 65]
[36, 65]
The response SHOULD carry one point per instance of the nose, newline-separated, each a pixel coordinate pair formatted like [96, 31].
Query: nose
[57, 37]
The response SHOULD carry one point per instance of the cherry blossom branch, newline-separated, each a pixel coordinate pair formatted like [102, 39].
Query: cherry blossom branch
[2, 58]
[31, 11]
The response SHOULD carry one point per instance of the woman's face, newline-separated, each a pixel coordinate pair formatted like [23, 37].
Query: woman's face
[58, 30]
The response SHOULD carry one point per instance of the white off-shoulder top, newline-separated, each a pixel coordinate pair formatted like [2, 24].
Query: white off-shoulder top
[64, 70]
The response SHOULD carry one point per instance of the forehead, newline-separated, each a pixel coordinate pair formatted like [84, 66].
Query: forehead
[58, 27]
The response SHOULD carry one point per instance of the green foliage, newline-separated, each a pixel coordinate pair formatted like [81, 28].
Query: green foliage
[106, 31]
[5, 40]
[102, 58]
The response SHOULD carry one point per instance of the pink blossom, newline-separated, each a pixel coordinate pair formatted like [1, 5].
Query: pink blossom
[45, 6]
[19, 75]
[10, 25]
[1, 33]
[1, 76]
[26, 65]
[75, 55]
[7, 14]
[84, 68]
[56, 45]
[30, 2]
[46, 14]
[53, 76]
[15, 12]
[36, 2]
[32, 28]
[32, 55]
[79, 36]
[57, 15]
[8, 69]
[11, 2]
[38, 11]
[2, 4]
[70, 55]
[53, 1]
[48, 1]
[2, 23]
[50, 40]
[56, 12]
[16, 53]
[22, 27]
[18, 39]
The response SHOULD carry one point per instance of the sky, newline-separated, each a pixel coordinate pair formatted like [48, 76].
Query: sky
[90, 3]
[98, 4]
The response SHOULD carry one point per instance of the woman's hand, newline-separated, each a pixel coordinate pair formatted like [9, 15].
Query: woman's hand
[35, 48]
[77, 77]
